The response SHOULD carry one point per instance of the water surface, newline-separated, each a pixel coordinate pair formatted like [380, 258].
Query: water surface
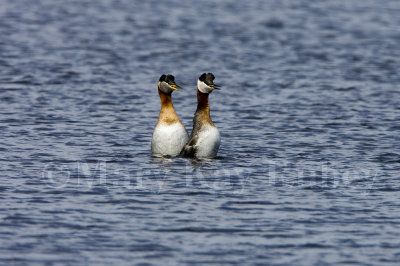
[308, 169]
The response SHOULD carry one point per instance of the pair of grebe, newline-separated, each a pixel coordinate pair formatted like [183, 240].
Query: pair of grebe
[170, 136]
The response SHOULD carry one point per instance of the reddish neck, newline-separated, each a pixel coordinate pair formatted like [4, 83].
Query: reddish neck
[166, 100]
[202, 101]
[167, 113]
[203, 108]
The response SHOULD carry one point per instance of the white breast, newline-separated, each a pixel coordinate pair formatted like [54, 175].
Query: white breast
[168, 139]
[208, 142]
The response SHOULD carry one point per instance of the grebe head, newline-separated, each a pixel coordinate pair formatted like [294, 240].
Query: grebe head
[205, 83]
[167, 84]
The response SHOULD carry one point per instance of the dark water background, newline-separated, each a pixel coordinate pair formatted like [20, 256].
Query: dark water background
[309, 166]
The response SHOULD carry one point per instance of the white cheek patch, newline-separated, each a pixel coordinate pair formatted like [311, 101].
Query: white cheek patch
[164, 87]
[204, 88]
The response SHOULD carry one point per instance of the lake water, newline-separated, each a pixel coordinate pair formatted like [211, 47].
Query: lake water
[308, 171]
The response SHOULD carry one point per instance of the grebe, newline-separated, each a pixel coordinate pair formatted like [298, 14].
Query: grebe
[170, 135]
[204, 140]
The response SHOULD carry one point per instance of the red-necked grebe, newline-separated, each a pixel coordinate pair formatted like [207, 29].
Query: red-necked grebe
[170, 135]
[204, 140]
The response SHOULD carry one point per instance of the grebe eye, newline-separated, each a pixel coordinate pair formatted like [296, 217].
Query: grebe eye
[170, 78]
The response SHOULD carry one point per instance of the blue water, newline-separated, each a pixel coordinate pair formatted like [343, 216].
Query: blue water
[308, 171]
